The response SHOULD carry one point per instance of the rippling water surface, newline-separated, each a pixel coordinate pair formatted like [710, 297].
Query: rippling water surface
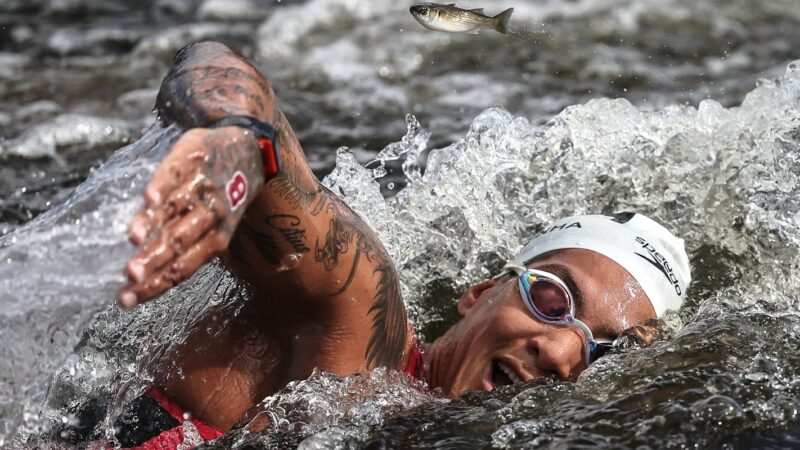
[458, 148]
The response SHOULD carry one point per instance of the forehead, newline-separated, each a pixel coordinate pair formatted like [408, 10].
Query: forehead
[608, 298]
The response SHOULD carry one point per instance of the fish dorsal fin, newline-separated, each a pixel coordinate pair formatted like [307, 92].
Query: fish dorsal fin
[477, 10]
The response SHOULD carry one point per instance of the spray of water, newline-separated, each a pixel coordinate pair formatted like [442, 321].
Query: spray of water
[724, 179]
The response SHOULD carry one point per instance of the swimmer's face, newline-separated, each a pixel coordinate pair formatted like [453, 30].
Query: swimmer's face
[499, 342]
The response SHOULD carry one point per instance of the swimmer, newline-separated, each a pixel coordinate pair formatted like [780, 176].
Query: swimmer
[326, 294]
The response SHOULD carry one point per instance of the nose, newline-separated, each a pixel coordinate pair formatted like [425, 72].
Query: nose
[559, 353]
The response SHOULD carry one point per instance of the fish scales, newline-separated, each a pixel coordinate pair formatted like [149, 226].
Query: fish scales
[452, 19]
[467, 17]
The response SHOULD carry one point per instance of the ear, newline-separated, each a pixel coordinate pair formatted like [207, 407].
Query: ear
[472, 296]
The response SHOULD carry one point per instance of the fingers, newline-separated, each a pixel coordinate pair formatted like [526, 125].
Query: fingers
[181, 163]
[175, 271]
[172, 241]
[176, 180]
[179, 201]
[190, 208]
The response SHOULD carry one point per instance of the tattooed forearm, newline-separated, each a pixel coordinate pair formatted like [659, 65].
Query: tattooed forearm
[209, 81]
[289, 227]
[297, 187]
[337, 242]
[263, 242]
[389, 321]
[279, 226]
[347, 231]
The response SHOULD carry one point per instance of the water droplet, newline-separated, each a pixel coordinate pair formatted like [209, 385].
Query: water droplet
[290, 261]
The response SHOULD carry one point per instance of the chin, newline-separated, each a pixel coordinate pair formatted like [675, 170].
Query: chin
[474, 380]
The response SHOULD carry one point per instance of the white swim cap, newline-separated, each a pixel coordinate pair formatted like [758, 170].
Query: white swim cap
[653, 256]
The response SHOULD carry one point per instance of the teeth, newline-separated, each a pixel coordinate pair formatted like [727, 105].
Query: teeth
[510, 373]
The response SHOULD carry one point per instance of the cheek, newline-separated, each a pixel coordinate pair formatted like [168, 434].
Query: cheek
[498, 316]
[630, 292]
[486, 328]
[621, 303]
[616, 303]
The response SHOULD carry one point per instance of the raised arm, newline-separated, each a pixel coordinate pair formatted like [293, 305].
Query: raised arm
[308, 256]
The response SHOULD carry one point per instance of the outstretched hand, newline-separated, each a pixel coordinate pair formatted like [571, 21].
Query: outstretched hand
[193, 203]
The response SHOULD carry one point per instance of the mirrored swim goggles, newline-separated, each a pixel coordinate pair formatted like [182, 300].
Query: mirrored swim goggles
[549, 299]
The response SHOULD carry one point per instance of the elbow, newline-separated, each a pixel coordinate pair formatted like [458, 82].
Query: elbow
[209, 80]
[201, 51]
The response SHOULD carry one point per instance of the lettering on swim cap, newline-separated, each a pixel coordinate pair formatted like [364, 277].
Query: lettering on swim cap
[563, 226]
[660, 263]
[630, 240]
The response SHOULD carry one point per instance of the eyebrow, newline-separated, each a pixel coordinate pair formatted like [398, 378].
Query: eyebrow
[566, 275]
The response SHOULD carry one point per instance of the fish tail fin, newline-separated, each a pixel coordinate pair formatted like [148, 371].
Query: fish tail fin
[501, 20]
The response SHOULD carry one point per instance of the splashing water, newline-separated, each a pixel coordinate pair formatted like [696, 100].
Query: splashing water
[330, 409]
[724, 179]
[62, 268]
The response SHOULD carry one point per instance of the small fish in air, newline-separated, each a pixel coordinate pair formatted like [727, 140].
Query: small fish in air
[453, 19]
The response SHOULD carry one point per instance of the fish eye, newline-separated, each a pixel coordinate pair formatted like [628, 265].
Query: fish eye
[423, 11]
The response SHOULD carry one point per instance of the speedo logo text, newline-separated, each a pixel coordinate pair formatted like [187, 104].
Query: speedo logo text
[659, 262]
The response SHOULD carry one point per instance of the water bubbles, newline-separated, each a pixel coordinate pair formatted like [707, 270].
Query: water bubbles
[724, 178]
[534, 432]
[379, 172]
[68, 131]
[191, 436]
[711, 174]
[346, 406]
[716, 410]
[290, 261]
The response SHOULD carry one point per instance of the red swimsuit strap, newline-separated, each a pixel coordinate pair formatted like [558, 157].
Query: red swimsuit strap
[173, 438]
[414, 366]
[206, 432]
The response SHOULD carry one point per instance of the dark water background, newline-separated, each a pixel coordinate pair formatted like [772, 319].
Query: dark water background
[78, 80]
[106, 59]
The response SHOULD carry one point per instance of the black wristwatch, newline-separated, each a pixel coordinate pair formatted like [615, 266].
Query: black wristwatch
[266, 136]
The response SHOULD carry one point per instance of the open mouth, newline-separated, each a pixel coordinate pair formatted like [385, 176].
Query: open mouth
[500, 374]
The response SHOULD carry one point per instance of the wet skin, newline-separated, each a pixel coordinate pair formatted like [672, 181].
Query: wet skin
[326, 294]
[497, 327]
